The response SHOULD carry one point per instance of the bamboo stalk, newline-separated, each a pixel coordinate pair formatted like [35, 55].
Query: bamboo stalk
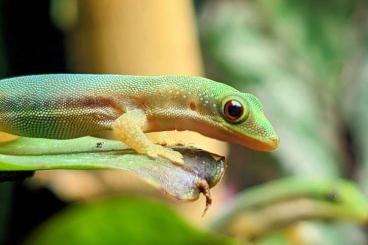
[135, 37]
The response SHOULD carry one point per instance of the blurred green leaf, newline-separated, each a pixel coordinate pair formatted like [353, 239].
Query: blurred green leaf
[121, 221]
[202, 170]
[316, 33]
[292, 59]
[307, 61]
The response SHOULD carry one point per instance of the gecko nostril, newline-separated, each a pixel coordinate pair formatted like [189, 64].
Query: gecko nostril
[275, 140]
[192, 106]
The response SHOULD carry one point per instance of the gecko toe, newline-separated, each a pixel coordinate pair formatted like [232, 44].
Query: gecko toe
[152, 153]
[174, 156]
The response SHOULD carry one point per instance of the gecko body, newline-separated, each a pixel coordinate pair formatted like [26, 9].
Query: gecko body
[64, 106]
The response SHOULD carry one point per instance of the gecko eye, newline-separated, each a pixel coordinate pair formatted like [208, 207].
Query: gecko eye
[234, 111]
[332, 196]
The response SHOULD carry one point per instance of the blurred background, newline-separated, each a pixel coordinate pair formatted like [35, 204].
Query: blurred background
[307, 61]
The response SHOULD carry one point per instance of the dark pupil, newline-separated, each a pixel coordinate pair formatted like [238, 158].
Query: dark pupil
[234, 109]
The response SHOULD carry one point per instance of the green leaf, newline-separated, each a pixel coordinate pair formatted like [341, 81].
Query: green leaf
[121, 221]
[201, 171]
[247, 43]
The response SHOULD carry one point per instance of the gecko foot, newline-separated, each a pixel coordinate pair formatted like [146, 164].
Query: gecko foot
[203, 188]
[159, 150]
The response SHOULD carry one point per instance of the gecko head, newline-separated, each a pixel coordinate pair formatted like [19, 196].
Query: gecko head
[243, 122]
[343, 199]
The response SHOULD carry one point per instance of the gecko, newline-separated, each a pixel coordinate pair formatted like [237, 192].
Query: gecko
[284, 202]
[65, 106]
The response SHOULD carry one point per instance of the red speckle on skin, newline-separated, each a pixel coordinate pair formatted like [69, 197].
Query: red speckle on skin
[95, 102]
[192, 106]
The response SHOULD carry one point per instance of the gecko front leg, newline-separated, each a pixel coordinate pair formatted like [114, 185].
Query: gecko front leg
[129, 129]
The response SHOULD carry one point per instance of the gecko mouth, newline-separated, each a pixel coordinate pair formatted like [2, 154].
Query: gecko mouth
[221, 132]
[270, 144]
[267, 144]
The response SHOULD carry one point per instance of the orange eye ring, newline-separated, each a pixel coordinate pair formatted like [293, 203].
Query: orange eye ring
[234, 111]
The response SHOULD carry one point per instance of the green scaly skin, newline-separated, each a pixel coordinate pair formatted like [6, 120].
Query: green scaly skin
[63, 106]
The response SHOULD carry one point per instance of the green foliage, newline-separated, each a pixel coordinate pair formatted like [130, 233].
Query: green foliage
[307, 61]
[121, 221]
[301, 58]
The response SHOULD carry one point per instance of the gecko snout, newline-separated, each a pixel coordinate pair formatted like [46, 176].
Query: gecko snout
[274, 142]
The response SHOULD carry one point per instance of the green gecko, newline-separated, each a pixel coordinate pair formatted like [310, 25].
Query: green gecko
[282, 202]
[64, 106]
